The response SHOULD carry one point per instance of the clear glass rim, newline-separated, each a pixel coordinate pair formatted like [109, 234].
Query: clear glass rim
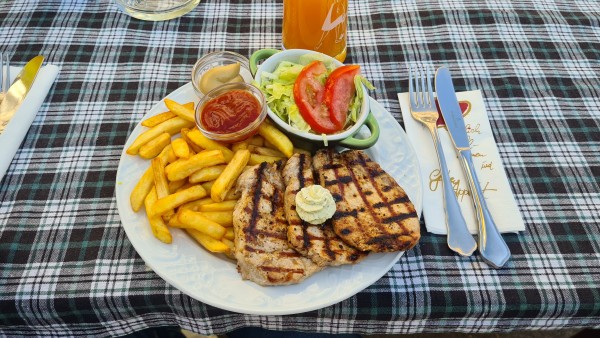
[144, 13]
[225, 88]
[214, 57]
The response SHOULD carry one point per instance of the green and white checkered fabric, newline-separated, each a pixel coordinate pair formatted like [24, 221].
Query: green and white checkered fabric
[67, 267]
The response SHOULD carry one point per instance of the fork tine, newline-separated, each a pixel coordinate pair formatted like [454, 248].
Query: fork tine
[4, 72]
[1, 72]
[430, 89]
[411, 92]
[422, 88]
[7, 72]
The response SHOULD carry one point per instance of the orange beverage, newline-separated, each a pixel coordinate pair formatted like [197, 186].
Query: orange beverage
[318, 25]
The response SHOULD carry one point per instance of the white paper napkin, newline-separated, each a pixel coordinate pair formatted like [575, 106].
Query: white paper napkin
[12, 136]
[490, 170]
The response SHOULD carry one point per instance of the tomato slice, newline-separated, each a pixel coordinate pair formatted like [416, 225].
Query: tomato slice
[309, 93]
[339, 92]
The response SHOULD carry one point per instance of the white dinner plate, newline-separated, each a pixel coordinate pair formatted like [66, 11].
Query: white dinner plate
[214, 280]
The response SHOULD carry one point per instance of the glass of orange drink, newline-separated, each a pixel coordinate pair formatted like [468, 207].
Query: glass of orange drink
[318, 25]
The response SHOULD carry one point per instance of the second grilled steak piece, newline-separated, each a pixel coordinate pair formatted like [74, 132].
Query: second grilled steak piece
[261, 248]
[373, 213]
[318, 242]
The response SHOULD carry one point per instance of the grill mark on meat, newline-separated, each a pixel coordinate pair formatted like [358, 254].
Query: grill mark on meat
[337, 197]
[299, 173]
[341, 180]
[385, 239]
[399, 218]
[320, 243]
[332, 165]
[400, 199]
[261, 244]
[256, 195]
[374, 212]
[364, 163]
[302, 184]
[341, 214]
[361, 193]
[328, 251]
[280, 269]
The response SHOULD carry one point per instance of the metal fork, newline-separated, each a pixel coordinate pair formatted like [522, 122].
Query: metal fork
[4, 74]
[423, 109]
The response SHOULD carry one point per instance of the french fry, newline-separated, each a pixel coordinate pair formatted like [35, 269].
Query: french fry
[209, 243]
[167, 155]
[239, 145]
[218, 206]
[186, 185]
[155, 146]
[175, 185]
[229, 243]
[141, 190]
[265, 151]
[172, 201]
[171, 126]
[183, 168]
[157, 119]
[196, 148]
[257, 159]
[233, 194]
[174, 222]
[225, 218]
[180, 148]
[194, 205]
[228, 177]
[207, 185]
[160, 180]
[162, 117]
[207, 174]
[279, 140]
[256, 140]
[269, 145]
[195, 220]
[229, 234]
[158, 226]
[181, 110]
[198, 138]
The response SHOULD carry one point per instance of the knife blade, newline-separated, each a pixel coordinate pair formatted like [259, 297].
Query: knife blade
[492, 246]
[18, 90]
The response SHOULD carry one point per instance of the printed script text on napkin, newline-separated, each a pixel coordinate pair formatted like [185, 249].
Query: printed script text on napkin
[492, 177]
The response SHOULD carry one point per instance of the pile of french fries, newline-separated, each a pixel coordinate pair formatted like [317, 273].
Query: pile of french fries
[190, 180]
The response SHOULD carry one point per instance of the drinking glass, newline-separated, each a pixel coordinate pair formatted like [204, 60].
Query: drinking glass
[318, 25]
[157, 10]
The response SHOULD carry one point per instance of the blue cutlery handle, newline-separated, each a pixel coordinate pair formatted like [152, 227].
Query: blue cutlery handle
[459, 239]
[492, 246]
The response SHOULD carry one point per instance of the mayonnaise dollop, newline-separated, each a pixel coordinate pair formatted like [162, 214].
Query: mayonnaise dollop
[315, 204]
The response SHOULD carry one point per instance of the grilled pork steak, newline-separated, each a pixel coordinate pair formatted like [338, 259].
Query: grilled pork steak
[373, 213]
[263, 253]
[318, 242]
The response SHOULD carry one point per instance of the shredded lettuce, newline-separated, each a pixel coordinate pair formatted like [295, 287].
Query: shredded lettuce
[356, 104]
[278, 87]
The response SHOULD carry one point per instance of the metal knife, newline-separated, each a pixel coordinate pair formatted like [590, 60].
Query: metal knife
[492, 246]
[18, 90]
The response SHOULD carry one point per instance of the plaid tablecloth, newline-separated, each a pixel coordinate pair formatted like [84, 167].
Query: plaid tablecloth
[67, 267]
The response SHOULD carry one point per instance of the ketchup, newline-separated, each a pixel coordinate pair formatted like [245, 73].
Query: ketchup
[230, 112]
